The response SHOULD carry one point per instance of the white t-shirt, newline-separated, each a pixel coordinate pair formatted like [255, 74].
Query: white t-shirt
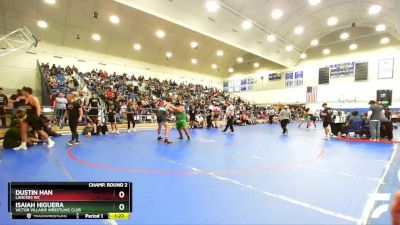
[61, 103]
[230, 111]
[123, 108]
[199, 118]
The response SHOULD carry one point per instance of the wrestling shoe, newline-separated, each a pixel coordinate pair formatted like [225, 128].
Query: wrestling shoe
[50, 143]
[70, 143]
[20, 148]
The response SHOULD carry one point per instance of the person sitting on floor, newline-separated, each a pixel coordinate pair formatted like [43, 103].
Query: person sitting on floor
[242, 119]
[355, 117]
[47, 125]
[200, 120]
[102, 128]
[252, 121]
[90, 130]
[354, 125]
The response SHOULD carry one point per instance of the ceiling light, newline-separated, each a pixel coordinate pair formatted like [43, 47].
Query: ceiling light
[246, 24]
[168, 55]
[137, 47]
[96, 37]
[314, 2]
[276, 14]
[303, 55]
[239, 60]
[271, 38]
[230, 70]
[51, 2]
[289, 48]
[194, 44]
[42, 24]
[214, 66]
[256, 65]
[314, 42]
[344, 36]
[220, 53]
[114, 19]
[298, 30]
[353, 47]
[194, 61]
[326, 51]
[160, 33]
[380, 27]
[212, 6]
[332, 21]
[374, 9]
[385, 40]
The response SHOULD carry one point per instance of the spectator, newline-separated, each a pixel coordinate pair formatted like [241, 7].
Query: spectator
[355, 117]
[3, 104]
[74, 113]
[375, 120]
[386, 129]
[61, 104]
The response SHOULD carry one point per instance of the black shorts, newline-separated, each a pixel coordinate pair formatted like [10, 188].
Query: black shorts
[94, 119]
[325, 124]
[112, 119]
[33, 122]
[160, 121]
[93, 112]
[161, 118]
[313, 118]
[129, 116]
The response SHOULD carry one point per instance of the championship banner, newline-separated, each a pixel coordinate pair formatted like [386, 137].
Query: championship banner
[289, 80]
[298, 78]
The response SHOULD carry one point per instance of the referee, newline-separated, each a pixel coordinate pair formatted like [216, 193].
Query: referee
[74, 114]
[230, 114]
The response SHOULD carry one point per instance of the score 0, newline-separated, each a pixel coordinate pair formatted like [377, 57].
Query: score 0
[121, 196]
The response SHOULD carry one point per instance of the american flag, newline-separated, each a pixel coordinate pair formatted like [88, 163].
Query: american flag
[311, 95]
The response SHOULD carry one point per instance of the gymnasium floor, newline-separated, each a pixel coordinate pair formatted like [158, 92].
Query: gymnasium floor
[255, 176]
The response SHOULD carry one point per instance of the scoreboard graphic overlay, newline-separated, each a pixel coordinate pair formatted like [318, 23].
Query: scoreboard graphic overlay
[70, 200]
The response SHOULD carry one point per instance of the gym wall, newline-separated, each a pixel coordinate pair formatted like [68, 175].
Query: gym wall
[338, 90]
[19, 69]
